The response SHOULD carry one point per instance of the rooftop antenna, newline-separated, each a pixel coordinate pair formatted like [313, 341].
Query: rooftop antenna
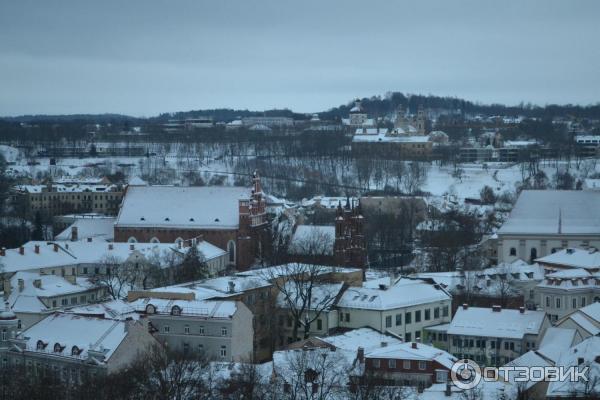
[559, 220]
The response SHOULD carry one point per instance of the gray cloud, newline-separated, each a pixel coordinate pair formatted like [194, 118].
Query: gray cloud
[144, 57]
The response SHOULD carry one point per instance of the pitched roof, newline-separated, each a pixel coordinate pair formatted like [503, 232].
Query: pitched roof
[569, 212]
[405, 351]
[573, 257]
[206, 207]
[587, 352]
[484, 322]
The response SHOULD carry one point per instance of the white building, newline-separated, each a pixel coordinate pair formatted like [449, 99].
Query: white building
[585, 320]
[546, 221]
[495, 336]
[405, 307]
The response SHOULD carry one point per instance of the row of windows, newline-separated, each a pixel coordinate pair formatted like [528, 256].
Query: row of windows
[408, 316]
[83, 299]
[406, 364]
[482, 343]
[201, 331]
[200, 348]
[558, 302]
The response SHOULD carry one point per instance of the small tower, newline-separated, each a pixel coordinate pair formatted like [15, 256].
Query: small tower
[400, 122]
[9, 325]
[420, 120]
[349, 246]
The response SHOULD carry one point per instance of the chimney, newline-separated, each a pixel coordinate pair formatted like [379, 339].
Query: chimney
[231, 286]
[21, 284]
[89, 240]
[55, 247]
[361, 355]
[36, 248]
[21, 250]
[496, 308]
[110, 246]
[414, 345]
[465, 306]
[131, 247]
[522, 310]
[74, 234]
[384, 344]
[37, 283]
[3, 251]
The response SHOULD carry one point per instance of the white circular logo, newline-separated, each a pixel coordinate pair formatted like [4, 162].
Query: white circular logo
[465, 374]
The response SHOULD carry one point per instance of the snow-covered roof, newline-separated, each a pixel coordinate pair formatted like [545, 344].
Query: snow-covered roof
[137, 181]
[385, 138]
[101, 228]
[555, 341]
[529, 359]
[569, 212]
[312, 240]
[60, 254]
[592, 311]
[113, 309]
[205, 207]
[573, 257]
[404, 293]
[371, 131]
[200, 308]
[591, 184]
[506, 323]
[405, 351]
[37, 287]
[323, 296]
[586, 353]
[367, 338]
[585, 323]
[68, 330]
[60, 188]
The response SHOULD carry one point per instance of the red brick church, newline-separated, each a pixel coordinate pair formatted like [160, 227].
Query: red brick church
[232, 218]
[349, 248]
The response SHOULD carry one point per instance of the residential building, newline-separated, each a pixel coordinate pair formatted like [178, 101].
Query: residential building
[232, 218]
[271, 122]
[495, 336]
[75, 348]
[56, 199]
[586, 320]
[407, 364]
[32, 296]
[404, 307]
[563, 292]
[546, 221]
[220, 330]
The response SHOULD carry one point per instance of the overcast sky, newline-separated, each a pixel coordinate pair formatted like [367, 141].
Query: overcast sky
[146, 57]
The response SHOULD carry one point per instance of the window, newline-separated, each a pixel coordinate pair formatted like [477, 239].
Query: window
[201, 330]
[398, 319]
[558, 302]
[406, 364]
[422, 365]
[73, 300]
[347, 317]
[186, 348]
[407, 318]
[82, 299]
[223, 351]
[441, 376]
[427, 314]
[418, 336]
[64, 302]
[547, 301]
[166, 329]
[200, 347]
[388, 321]
[186, 329]
[574, 302]
[445, 311]
[376, 363]
[319, 324]
[391, 364]
[513, 251]
[224, 331]
[436, 312]
[53, 303]
[583, 302]
[407, 337]
[85, 270]
[418, 316]
[176, 310]
[231, 251]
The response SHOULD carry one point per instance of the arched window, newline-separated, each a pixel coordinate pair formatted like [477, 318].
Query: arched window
[231, 251]
[176, 310]
[75, 351]
[533, 254]
[40, 345]
[132, 240]
[513, 251]
[150, 309]
[154, 240]
[57, 348]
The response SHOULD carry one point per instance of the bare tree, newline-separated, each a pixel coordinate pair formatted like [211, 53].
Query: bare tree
[297, 285]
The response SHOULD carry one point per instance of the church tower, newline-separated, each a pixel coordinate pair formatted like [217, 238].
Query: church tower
[350, 247]
[400, 124]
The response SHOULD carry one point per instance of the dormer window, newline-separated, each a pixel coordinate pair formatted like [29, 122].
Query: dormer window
[217, 220]
[191, 219]
[75, 351]
[40, 345]
[176, 310]
[58, 348]
[167, 219]
[142, 219]
[150, 309]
